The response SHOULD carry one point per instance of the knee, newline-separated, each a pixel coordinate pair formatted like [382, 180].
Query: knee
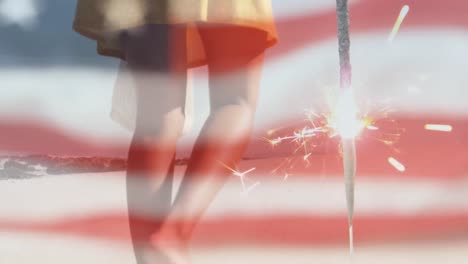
[167, 127]
[238, 106]
[172, 123]
[234, 119]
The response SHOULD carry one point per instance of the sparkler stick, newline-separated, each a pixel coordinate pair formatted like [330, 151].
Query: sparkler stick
[349, 165]
[343, 43]
[348, 144]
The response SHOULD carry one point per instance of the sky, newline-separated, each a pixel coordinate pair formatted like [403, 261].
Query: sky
[25, 12]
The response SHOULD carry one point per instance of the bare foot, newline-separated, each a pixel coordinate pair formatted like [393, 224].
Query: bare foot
[171, 246]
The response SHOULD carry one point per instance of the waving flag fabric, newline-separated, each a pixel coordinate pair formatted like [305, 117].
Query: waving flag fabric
[411, 187]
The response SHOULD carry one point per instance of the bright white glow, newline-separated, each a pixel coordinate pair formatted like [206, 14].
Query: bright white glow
[395, 163]
[438, 127]
[21, 12]
[344, 117]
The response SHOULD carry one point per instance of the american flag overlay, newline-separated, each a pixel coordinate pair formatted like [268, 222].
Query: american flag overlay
[63, 156]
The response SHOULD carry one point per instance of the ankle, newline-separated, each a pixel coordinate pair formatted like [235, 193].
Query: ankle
[169, 236]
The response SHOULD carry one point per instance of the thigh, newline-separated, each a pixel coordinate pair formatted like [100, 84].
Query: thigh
[235, 60]
[229, 47]
[155, 47]
[156, 57]
[240, 87]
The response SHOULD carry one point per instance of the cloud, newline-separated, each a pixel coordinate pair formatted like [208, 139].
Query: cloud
[20, 12]
[303, 7]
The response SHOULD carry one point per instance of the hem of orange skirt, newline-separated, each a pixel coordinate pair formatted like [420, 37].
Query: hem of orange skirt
[117, 53]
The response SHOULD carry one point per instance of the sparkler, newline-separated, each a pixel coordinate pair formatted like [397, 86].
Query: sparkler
[346, 112]
[343, 118]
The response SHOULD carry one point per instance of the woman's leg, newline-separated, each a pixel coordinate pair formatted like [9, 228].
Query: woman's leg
[157, 61]
[234, 84]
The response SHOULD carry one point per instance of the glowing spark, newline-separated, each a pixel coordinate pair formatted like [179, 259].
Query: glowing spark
[303, 134]
[274, 130]
[395, 163]
[371, 127]
[274, 142]
[245, 172]
[241, 175]
[404, 11]
[298, 137]
[310, 114]
[438, 127]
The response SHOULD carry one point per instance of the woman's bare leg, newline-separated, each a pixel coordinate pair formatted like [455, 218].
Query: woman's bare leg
[159, 76]
[234, 85]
